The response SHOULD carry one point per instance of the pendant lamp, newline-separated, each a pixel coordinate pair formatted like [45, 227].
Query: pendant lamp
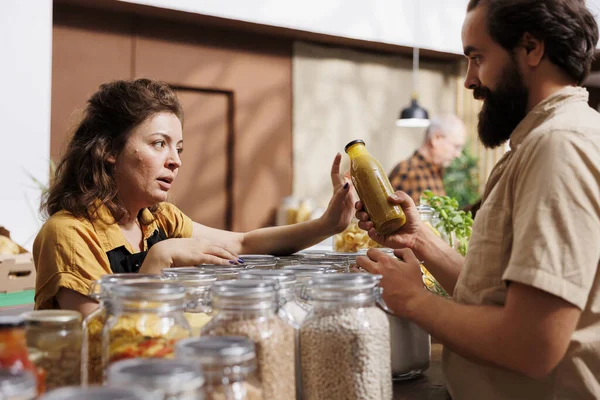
[414, 116]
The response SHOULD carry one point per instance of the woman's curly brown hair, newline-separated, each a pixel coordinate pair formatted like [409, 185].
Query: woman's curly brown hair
[84, 175]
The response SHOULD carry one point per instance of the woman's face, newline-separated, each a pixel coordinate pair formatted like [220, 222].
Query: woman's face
[148, 164]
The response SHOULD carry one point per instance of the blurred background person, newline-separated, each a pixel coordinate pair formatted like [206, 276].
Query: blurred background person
[424, 170]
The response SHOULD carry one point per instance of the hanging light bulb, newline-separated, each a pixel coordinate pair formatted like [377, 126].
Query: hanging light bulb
[414, 116]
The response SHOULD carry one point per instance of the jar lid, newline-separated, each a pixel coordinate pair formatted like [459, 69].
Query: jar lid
[150, 290]
[247, 288]
[51, 318]
[258, 258]
[21, 384]
[352, 143]
[208, 350]
[286, 278]
[170, 376]
[185, 274]
[102, 286]
[100, 393]
[342, 285]
[11, 321]
[304, 270]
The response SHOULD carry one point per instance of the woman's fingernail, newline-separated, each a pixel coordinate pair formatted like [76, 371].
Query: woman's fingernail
[346, 185]
[232, 262]
[240, 261]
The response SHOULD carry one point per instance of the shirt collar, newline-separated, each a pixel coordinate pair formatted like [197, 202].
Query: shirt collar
[548, 106]
[428, 163]
[109, 232]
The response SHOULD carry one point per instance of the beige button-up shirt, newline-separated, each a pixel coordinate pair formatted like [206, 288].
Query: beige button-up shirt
[540, 225]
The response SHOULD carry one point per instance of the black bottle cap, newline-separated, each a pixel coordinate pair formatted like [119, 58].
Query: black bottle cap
[352, 143]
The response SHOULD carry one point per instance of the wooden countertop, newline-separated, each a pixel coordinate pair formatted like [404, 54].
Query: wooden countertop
[429, 386]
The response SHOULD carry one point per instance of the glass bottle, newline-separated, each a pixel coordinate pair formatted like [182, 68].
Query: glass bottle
[304, 273]
[146, 321]
[196, 283]
[228, 364]
[100, 393]
[346, 325]
[168, 379]
[14, 355]
[91, 348]
[17, 385]
[249, 307]
[56, 335]
[374, 188]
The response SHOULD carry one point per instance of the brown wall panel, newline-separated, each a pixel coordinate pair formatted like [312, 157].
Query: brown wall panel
[88, 49]
[201, 186]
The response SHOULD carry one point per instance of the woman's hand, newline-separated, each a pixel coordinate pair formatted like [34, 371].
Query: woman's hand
[402, 280]
[405, 236]
[340, 209]
[185, 252]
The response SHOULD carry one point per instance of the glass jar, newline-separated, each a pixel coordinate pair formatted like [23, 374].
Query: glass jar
[228, 364]
[145, 321]
[249, 308]
[17, 385]
[167, 379]
[346, 325]
[100, 393]
[260, 261]
[56, 335]
[14, 355]
[222, 272]
[338, 263]
[304, 273]
[91, 348]
[286, 281]
[196, 283]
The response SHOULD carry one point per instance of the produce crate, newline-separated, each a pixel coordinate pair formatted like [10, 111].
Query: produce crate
[17, 273]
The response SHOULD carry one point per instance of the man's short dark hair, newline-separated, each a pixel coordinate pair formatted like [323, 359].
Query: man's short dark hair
[567, 27]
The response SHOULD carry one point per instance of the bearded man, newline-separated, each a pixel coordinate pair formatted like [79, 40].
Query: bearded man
[524, 319]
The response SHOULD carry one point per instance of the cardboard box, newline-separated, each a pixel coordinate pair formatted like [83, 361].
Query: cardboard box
[17, 272]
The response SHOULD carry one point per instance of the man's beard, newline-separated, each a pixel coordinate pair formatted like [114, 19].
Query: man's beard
[503, 109]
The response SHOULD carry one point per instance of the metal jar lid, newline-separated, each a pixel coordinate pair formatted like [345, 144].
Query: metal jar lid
[11, 322]
[52, 318]
[343, 286]
[99, 393]
[156, 291]
[20, 384]
[100, 289]
[207, 350]
[285, 278]
[170, 376]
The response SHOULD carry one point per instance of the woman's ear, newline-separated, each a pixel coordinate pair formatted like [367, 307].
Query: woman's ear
[111, 159]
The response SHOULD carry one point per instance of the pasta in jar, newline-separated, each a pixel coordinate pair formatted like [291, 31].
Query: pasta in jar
[353, 239]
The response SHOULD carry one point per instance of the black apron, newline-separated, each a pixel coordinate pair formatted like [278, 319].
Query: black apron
[122, 261]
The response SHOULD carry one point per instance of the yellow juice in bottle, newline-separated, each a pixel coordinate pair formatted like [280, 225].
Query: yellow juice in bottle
[373, 188]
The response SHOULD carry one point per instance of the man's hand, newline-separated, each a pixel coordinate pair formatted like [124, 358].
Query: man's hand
[402, 281]
[405, 236]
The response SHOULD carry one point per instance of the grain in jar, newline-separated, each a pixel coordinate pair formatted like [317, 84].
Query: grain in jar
[345, 325]
[168, 379]
[56, 336]
[228, 364]
[249, 308]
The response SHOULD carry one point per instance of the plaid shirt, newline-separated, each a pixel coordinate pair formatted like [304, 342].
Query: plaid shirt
[415, 175]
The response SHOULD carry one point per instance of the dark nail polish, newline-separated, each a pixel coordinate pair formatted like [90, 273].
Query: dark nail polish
[232, 262]
[346, 185]
[240, 261]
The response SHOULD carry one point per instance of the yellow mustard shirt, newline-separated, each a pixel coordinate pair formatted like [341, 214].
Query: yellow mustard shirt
[72, 253]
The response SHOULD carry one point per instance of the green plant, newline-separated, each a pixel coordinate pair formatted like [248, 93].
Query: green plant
[455, 223]
[460, 178]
